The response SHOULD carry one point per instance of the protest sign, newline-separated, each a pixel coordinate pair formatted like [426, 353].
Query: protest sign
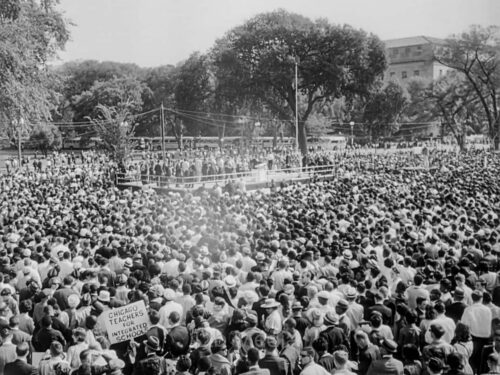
[127, 322]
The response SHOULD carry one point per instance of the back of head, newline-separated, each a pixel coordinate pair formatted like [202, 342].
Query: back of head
[56, 349]
[253, 356]
[46, 321]
[22, 349]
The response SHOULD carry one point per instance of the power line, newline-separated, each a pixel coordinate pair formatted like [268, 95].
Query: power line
[260, 118]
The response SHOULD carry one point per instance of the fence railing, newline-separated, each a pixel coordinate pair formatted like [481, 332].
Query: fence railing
[253, 176]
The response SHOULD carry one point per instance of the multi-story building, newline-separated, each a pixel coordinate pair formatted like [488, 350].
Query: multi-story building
[413, 57]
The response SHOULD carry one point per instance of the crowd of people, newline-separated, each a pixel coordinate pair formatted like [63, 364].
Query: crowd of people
[388, 272]
[195, 166]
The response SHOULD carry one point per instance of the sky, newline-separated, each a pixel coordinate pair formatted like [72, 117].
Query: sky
[161, 32]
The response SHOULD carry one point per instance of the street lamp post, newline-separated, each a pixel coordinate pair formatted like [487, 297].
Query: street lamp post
[296, 105]
[352, 133]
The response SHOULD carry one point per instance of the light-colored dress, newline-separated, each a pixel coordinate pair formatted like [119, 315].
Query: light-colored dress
[465, 350]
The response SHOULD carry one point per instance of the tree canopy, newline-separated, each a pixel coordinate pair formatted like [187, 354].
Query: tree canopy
[31, 34]
[257, 61]
[476, 55]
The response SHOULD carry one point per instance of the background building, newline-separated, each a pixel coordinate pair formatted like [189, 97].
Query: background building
[413, 57]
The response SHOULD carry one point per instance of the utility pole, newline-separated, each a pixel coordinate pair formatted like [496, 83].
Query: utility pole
[19, 156]
[296, 105]
[162, 119]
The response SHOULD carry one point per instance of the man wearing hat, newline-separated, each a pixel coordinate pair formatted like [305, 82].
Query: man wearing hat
[252, 320]
[456, 309]
[333, 334]
[301, 322]
[355, 312]
[344, 321]
[322, 305]
[153, 364]
[170, 306]
[387, 365]
[272, 323]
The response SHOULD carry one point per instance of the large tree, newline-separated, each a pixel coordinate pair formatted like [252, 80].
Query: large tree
[161, 83]
[455, 101]
[193, 93]
[257, 60]
[476, 54]
[80, 76]
[31, 34]
[120, 92]
[383, 110]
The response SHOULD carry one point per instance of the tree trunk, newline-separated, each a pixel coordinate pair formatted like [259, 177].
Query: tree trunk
[496, 139]
[302, 138]
[461, 142]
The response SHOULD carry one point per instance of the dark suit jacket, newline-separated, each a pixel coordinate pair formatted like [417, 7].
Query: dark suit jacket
[366, 357]
[44, 337]
[483, 366]
[386, 366]
[275, 364]
[260, 371]
[259, 310]
[455, 311]
[19, 367]
[179, 334]
[384, 310]
[334, 336]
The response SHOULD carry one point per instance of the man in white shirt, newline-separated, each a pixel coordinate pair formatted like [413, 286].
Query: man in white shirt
[447, 323]
[478, 317]
[281, 274]
[169, 307]
[416, 291]
[460, 280]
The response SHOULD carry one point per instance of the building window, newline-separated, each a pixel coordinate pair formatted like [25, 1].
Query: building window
[418, 51]
[394, 52]
[416, 73]
[440, 72]
[403, 74]
[407, 51]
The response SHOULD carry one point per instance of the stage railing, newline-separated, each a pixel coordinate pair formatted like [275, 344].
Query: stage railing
[253, 176]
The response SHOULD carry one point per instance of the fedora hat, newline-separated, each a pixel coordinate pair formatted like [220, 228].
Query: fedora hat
[270, 303]
[152, 343]
[104, 296]
[390, 346]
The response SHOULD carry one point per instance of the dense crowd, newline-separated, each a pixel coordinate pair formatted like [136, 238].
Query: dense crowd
[204, 165]
[391, 272]
[194, 166]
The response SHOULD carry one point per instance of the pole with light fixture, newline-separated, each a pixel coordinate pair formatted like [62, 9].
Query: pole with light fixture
[352, 133]
[296, 105]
